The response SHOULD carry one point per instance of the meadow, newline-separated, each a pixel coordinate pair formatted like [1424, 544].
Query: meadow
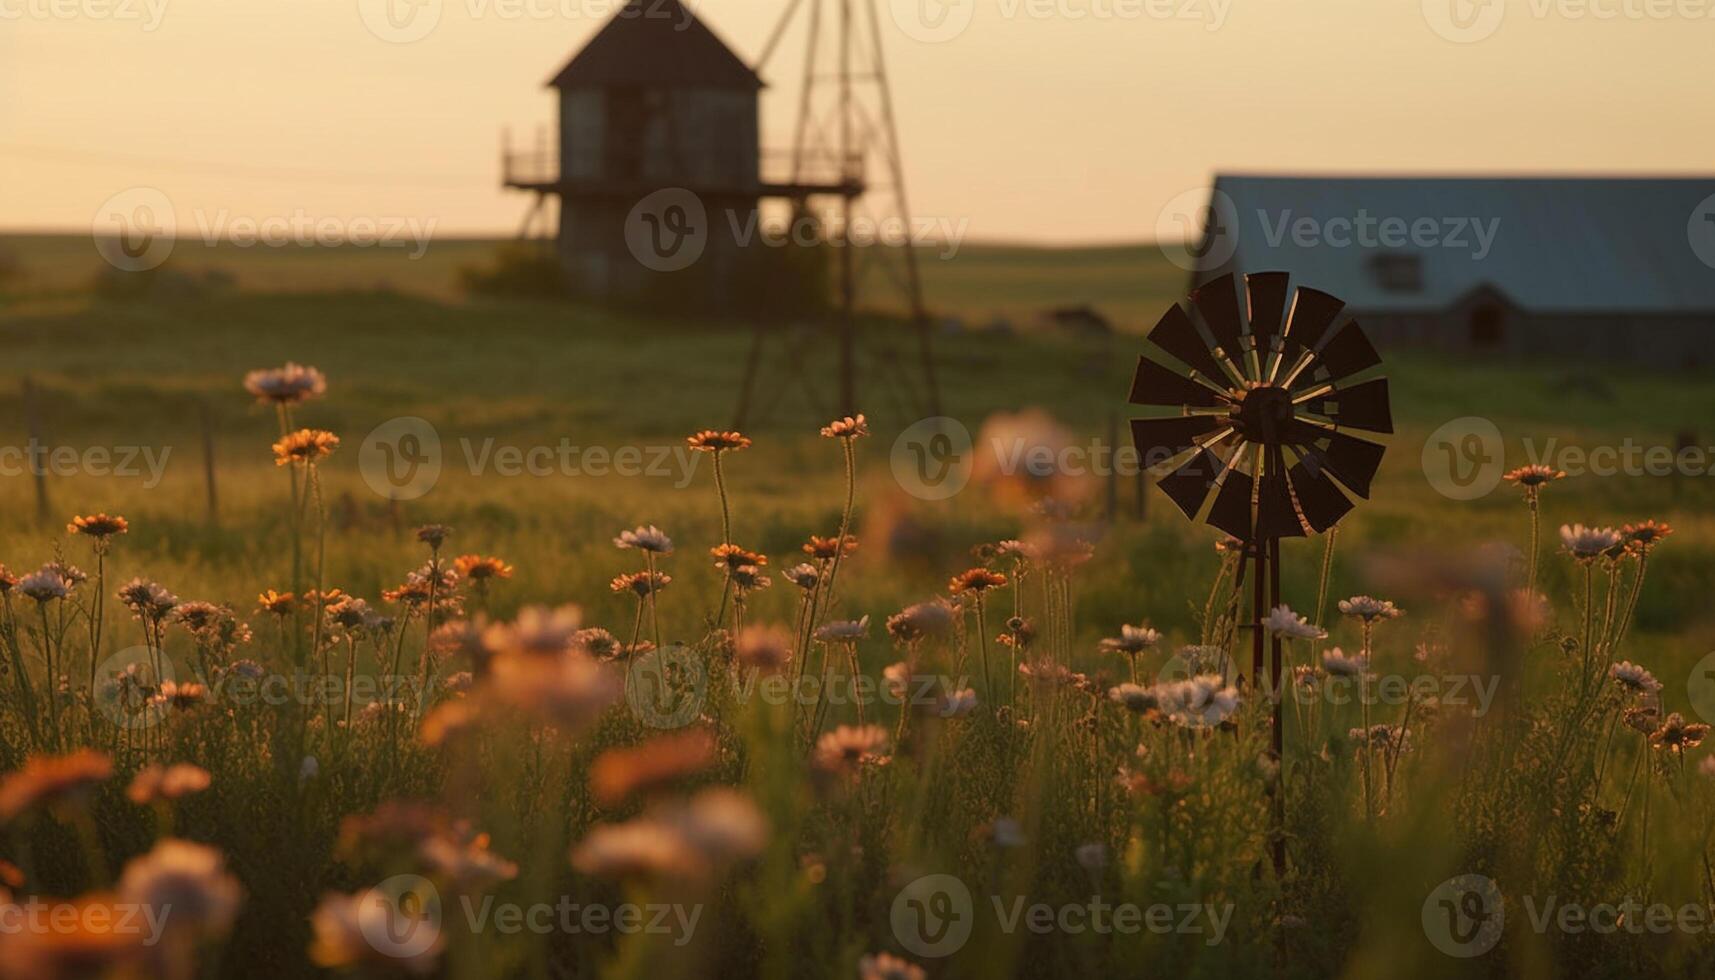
[538, 777]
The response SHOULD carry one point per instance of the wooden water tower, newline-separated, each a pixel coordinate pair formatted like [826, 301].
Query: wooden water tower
[657, 105]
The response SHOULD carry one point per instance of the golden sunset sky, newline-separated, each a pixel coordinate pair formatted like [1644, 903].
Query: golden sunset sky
[1054, 121]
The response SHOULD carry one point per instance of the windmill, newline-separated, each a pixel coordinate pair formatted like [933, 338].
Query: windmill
[845, 115]
[1269, 387]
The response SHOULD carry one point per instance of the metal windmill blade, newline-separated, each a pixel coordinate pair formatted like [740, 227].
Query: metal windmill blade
[1255, 424]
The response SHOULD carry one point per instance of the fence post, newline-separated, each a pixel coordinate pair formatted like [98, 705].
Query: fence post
[208, 466]
[38, 449]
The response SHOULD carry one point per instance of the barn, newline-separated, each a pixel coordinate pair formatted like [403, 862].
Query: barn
[1582, 267]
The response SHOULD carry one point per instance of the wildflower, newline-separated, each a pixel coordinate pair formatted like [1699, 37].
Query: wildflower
[188, 879]
[446, 721]
[182, 697]
[48, 781]
[1634, 677]
[749, 578]
[8, 581]
[921, 621]
[975, 581]
[1204, 701]
[712, 441]
[158, 784]
[148, 601]
[1020, 633]
[843, 630]
[643, 584]
[469, 864]
[886, 966]
[84, 949]
[1003, 832]
[286, 385]
[1585, 543]
[1384, 737]
[1092, 856]
[804, 576]
[537, 631]
[342, 925]
[845, 750]
[1132, 640]
[568, 691]
[596, 642]
[850, 427]
[645, 538]
[637, 848]
[1369, 609]
[720, 824]
[434, 535]
[1646, 534]
[618, 774]
[278, 603]
[480, 569]
[309, 769]
[1531, 479]
[1135, 698]
[98, 526]
[1642, 719]
[1336, 663]
[957, 704]
[897, 678]
[1707, 766]
[1678, 734]
[764, 648]
[44, 586]
[824, 549]
[1285, 623]
[305, 446]
[73, 575]
[731, 556]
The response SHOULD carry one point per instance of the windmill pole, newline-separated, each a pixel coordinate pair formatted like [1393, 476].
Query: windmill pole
[848, 268]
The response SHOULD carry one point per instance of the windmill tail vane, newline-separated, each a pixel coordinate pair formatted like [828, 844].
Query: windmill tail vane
[1254, 410]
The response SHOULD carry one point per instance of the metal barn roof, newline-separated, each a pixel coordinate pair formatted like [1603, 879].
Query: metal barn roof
[656, 43]
[1581, 245]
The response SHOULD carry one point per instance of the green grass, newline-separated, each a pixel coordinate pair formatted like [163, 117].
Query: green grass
[531, 374]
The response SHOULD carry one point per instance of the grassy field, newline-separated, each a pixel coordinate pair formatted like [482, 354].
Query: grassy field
[396, 339]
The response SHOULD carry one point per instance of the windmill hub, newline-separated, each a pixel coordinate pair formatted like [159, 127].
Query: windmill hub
[1262, 414]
